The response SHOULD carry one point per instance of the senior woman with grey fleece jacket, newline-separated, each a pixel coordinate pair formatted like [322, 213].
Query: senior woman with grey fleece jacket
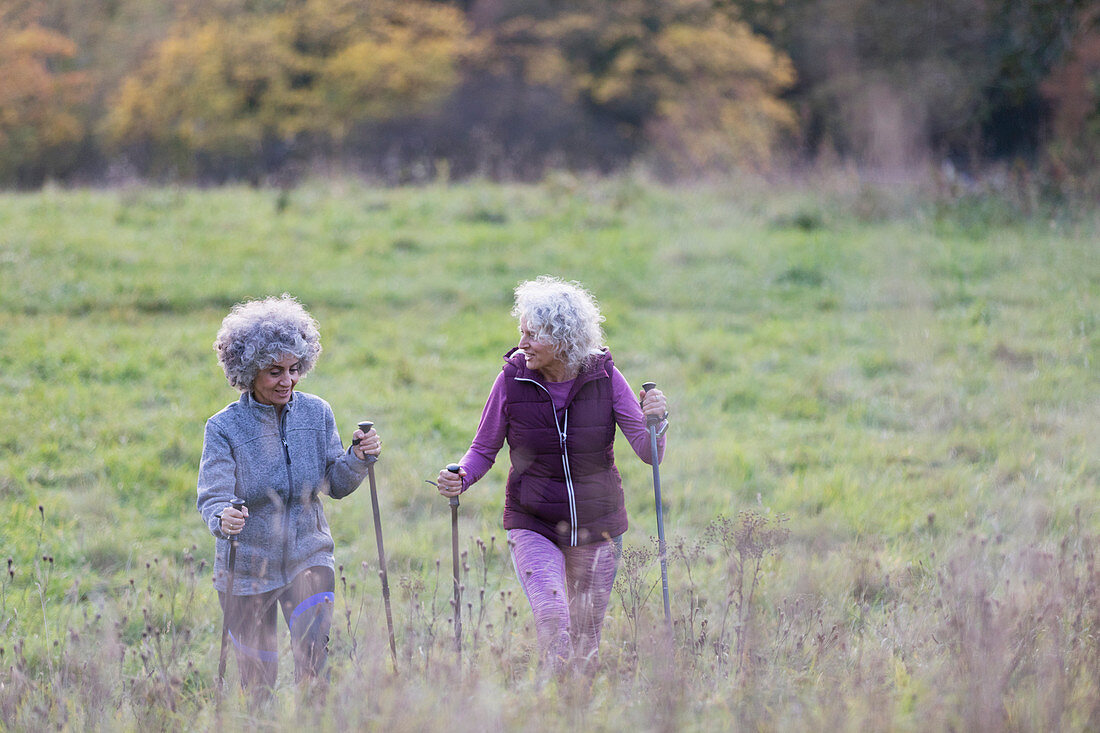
[277, 451]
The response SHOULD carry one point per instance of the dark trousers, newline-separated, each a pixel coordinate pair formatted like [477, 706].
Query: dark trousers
[253, 627]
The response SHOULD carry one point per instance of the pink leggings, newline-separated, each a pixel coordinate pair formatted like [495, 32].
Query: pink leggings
[569, 589]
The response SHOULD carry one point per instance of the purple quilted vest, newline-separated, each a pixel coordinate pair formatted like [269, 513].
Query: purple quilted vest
[563, 482]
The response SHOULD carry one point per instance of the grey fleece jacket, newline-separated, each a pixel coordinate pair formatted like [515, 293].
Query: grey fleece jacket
[279, 468]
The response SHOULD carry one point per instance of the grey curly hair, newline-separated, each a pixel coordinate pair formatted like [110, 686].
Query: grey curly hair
[257, 333]
[562, 314]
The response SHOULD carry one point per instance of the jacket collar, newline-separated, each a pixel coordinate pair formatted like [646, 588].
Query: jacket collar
[251, 403]
[597, 367]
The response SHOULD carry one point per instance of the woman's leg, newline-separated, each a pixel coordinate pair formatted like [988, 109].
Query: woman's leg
[307, 607]
[251, 621]
[540, 567]
[590, 573]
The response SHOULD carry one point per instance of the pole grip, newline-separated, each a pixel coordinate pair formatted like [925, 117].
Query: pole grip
[235, 539]
[365, 426]
[453, 468]
[650, 420]
[237, 504]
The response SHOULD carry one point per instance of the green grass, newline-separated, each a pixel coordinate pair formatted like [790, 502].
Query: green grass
[912, 384]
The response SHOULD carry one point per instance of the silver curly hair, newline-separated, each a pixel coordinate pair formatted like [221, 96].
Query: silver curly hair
[562, 314]
[257, 333]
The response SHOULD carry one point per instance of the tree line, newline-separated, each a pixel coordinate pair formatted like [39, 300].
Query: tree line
[406, 90]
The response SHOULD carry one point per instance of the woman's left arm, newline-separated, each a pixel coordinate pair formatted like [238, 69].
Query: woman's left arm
[632, 421]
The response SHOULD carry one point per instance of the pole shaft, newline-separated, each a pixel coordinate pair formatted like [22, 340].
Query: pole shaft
[456, 576]
[225, 614]
[231, 566]
[382, 562]
[660, 521]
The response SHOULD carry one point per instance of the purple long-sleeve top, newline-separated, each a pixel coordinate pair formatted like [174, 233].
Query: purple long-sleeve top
[493, 428]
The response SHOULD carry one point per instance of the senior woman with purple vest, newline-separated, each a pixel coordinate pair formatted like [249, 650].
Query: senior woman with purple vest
[556, 403]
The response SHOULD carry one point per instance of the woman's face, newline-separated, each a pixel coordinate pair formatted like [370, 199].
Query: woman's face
[275, 383]
[540, 354]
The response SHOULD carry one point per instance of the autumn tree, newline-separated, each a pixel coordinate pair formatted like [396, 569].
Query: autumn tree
[687, 79]
[896, 82]
[248, 86]
[1073, 91]
[40, 96]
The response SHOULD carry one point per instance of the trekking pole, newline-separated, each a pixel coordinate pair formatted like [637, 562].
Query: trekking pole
[453, 501]
[454, 468]
[651, 424]
[365, 426]
[230, 567]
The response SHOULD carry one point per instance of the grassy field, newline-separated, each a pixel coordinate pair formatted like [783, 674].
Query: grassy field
[881, 480]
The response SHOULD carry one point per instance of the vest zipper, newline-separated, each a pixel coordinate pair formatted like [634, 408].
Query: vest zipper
[568, 480]
[564, 459]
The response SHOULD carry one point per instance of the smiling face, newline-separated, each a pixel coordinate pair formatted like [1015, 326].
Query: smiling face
[541, 356]
[274, 384]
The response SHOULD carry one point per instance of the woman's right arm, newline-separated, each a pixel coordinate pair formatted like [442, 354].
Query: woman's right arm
[217, 478]
[489, 438]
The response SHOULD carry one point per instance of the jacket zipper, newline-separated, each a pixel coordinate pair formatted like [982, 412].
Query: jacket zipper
[289, 493]
[564, 459]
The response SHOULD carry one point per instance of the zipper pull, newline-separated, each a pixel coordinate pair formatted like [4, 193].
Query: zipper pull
[282, 436]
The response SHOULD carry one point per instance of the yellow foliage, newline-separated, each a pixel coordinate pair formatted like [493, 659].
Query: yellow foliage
[38, 103]
[721, 106]
[406, 61]
[227, 84]
[695, 80]
[194, 91]
[371, 80]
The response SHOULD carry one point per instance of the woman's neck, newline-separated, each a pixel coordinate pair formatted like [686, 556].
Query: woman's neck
[557, 373]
